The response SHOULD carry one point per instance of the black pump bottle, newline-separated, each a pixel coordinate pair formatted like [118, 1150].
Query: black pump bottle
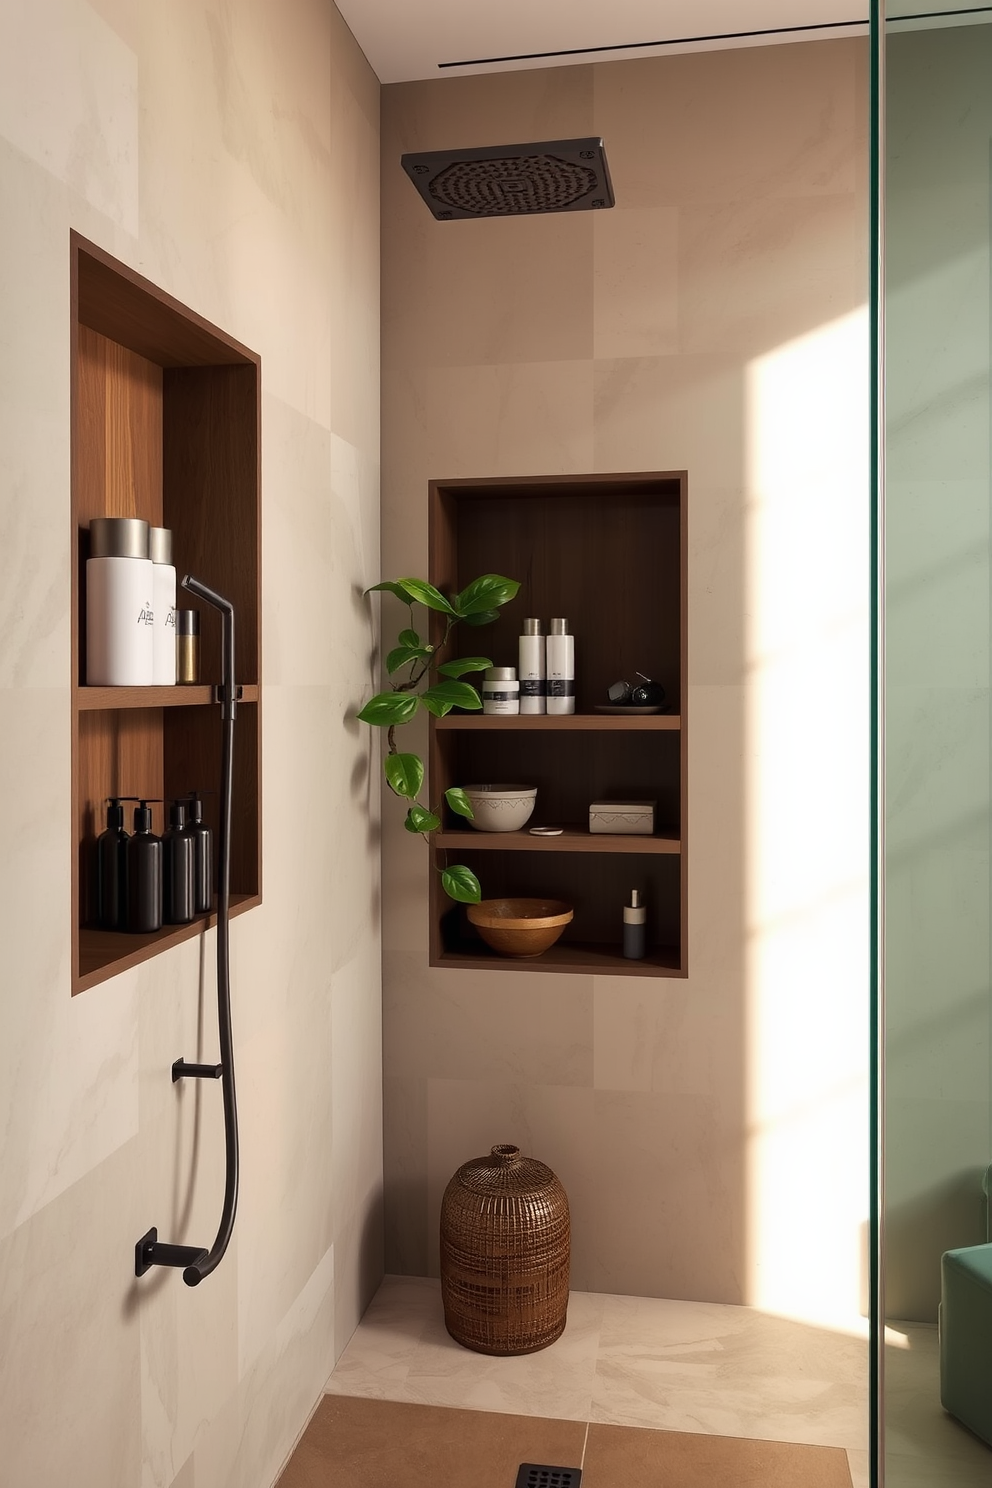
[111, 902]
[203, 856]
[177, 868]
[143, 856]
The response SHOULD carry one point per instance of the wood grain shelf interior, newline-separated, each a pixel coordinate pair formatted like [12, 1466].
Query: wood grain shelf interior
[165, 426]
[609, 552]
[566, 956]
[97, 699]
[571, 840]
[104, 953]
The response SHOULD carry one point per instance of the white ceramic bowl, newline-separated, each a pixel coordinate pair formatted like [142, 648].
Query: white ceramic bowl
[501, 808]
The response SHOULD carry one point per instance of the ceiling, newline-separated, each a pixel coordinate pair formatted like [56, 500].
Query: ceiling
[409, 39]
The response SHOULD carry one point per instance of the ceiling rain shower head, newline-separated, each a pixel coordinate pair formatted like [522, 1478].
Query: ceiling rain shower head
[512, 180]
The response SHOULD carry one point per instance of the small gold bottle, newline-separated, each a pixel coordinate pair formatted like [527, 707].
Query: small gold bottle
[187, 646]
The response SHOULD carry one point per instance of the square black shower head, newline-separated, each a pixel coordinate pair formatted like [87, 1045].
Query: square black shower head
[513, 180]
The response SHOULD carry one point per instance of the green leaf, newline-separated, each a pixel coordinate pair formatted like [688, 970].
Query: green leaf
[464, 664]
[461, 884]
[482, 617]
[391, 588]
[405, 774]
[459, 801]
[388, 708]
[400, 655]
[419, 819]
[409, 638]
[425, 594]
[444, 696]
[486, 593]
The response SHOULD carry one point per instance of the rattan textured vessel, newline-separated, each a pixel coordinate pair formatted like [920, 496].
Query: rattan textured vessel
[504, 1254]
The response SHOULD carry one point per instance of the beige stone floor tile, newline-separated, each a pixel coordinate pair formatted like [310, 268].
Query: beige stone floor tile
[633, 1361]
[857, 1463]
[402, 1351]
[730, 1371]
[555, 1382]
[377, 1360]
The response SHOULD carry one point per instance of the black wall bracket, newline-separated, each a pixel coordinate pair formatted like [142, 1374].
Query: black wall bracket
[149, 1252]
[183, 1071]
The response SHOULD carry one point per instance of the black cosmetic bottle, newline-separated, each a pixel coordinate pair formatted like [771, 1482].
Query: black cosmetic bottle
[143, 857]
[203, 856]
[177, 868]
[111, 904]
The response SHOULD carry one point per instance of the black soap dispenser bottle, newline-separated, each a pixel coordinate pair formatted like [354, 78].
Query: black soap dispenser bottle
[203, 856]
[111, 903]
[177, 868]
[143, 857]
[634, 928]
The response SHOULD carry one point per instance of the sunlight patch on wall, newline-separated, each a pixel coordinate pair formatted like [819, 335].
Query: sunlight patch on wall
[807, 731]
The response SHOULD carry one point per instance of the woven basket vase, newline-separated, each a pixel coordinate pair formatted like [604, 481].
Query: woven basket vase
[504, 1254]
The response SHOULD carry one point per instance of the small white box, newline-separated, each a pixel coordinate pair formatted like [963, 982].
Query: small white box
[630, 818]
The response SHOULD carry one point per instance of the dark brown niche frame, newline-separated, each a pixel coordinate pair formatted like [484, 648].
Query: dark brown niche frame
[610, 553]
[165, 412]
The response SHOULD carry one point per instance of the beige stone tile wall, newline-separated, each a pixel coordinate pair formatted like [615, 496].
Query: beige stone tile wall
[230, 154]
[711, 1133]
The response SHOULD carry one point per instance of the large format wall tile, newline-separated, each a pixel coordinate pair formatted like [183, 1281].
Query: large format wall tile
[69, 100]
[34, 432]
[66, 1288]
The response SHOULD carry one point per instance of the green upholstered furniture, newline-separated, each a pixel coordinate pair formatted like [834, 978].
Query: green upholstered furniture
[966, 1337]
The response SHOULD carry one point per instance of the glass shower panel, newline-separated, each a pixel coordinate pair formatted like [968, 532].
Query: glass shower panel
[938, 1081]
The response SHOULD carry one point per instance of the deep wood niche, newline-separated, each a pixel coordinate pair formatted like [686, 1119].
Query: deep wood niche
[609, 552]
[165, 426]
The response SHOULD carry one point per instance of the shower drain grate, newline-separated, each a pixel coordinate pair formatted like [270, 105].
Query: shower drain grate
[540, 1475]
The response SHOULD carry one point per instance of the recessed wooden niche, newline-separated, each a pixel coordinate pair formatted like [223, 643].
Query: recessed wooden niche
[609, 552]
[165, 426]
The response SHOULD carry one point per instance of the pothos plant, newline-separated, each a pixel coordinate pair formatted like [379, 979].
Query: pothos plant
[427, 679]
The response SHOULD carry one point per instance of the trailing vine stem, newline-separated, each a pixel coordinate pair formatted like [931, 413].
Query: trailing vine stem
[415, 678]
[477, 604]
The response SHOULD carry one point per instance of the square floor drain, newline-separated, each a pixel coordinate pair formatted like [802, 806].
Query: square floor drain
[540, 1475]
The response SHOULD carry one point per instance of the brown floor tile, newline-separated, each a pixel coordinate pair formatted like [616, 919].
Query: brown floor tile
[385, 1444]
[634, 1457]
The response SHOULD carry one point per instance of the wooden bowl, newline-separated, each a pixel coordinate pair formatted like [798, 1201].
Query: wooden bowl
[520, 927]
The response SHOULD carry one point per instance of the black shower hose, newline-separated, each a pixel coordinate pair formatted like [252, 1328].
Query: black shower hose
[197, 1270]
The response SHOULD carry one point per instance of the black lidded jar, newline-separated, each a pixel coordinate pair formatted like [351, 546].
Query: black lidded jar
[111, 901]
[143, 857]
[177, 868]
[203, 857]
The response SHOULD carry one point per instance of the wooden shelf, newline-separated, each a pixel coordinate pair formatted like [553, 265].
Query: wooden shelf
[609, 552]
[571, 723]
[106, 952]
[572, 840]
[165, 426]
[564, 956]
[98, 699]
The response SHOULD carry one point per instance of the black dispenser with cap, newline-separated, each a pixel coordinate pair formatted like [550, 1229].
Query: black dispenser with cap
[634, 928]
[111, 901]
[177, 868]
[203, 855]
[143, 856]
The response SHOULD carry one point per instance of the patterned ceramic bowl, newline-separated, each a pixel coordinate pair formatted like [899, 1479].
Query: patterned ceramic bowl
[501, 808]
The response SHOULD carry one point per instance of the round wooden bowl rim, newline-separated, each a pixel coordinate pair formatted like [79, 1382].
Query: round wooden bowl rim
[479, 914]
